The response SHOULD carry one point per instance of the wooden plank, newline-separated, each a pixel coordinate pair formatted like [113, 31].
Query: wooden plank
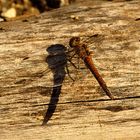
[83, 110]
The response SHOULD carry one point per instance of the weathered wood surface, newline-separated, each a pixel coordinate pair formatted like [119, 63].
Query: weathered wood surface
[83, 110]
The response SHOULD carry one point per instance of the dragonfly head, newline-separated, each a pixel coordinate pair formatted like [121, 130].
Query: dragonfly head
[74, 41]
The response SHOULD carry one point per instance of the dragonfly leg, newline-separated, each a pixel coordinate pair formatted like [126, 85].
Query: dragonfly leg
[77, 68]
[70, 57]
[73, 64]
[78, 71]
[69, 73]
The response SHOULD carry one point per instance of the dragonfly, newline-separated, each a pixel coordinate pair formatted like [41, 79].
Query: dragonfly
[57, 58]
[82, 51]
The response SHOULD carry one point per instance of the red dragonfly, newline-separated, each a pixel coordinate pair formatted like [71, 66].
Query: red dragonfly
[83, 52]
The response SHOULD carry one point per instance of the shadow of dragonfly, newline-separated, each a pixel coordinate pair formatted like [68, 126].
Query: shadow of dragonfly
[57, 61]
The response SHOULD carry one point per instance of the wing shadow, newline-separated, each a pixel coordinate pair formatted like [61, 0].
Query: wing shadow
[57, 62]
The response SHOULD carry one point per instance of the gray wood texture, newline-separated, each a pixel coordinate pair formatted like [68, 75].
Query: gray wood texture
[83, 110]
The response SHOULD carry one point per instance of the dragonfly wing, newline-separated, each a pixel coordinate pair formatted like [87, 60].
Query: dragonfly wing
[93, 40]
[56, 69]
[59, 70]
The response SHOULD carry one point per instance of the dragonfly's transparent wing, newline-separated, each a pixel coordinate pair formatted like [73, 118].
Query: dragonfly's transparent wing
[64, 66]
[93, 40]
[61, 67]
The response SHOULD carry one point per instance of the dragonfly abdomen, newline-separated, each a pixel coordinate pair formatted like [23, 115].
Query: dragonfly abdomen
[90, 65]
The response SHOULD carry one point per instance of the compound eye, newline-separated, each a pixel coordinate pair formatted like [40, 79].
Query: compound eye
[74, 41]
[77, 39]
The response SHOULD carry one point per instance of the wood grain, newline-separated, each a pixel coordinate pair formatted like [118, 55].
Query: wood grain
[83, 110]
